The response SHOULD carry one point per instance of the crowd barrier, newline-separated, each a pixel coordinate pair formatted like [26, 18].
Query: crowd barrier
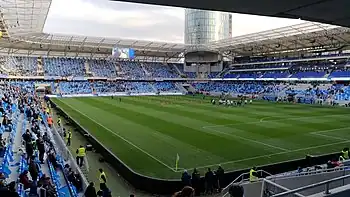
[163, 186]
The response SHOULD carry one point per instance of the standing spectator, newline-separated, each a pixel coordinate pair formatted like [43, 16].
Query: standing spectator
[41, 149]
[69, 137]
[196, 178]
[90, 190]
[186, 178]
[219, 175]
[49, 121]
[23, 178]
[33, 169]
[209, 180]
[105, 191]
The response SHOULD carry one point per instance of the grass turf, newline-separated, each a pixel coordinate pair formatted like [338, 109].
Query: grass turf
[147, 132]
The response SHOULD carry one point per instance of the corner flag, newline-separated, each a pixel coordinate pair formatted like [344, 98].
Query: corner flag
[177, 161]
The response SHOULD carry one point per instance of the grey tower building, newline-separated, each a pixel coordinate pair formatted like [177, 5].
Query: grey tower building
[203, 26]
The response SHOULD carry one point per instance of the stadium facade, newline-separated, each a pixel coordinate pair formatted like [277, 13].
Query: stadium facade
[202, 27]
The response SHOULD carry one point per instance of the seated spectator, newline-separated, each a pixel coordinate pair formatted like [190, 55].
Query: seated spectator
[23, 178]
[185, 192]
[90, 190]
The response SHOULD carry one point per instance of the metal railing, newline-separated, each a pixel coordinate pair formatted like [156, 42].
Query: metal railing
[300, 189]
[312, 172]
[241, 178]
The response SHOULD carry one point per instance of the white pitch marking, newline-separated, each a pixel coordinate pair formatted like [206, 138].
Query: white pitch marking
[274, 154]
[121, 137]
[329, 130]
[250, 140]
[261, 120]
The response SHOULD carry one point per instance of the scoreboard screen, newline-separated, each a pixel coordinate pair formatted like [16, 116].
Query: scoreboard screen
[123, 53]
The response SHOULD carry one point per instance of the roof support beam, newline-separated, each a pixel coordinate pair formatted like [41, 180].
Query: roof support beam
[49, 48]
[80, 47]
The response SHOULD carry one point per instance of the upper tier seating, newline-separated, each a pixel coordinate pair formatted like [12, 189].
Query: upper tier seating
[103, 68]
[132, 70]
[158, 70]
[64, 67]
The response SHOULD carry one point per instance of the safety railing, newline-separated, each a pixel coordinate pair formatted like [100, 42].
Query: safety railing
[311, 172]
[294, 192]
[241, 178]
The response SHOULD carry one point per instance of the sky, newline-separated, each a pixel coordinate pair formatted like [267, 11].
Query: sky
[103, 18]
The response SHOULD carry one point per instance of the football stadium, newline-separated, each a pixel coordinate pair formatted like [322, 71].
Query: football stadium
[263, 114]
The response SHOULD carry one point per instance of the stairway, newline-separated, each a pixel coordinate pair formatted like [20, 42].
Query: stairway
[177, 69]
[181, 88]
[40, 69]
[154, 88]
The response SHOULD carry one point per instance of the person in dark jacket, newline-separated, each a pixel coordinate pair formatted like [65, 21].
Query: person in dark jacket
[196, 178]
[41, 148]
[33, 169]
[186, 178]
[90, 190]
[8, 191]
[23, 178]
[219, 176]
[209, 181]
[236, 191]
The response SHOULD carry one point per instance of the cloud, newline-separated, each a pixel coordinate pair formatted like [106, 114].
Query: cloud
[105, 18]
[114, 19]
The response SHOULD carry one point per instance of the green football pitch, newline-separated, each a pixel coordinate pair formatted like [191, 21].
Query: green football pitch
[147, 132]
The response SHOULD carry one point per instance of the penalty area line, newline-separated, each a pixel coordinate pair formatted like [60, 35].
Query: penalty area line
[121, 137]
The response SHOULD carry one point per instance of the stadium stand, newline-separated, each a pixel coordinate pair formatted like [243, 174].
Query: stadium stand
[103, 68]
[64, 67]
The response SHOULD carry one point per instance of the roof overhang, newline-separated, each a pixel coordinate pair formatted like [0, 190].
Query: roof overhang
[325, 11]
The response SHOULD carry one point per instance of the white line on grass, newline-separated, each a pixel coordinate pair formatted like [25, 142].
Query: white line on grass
[250, 140]
[329, 136]
[282, 119]
[121, 137]
[274, 154]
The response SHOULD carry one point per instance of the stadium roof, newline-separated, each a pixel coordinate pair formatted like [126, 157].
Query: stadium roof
[24, 16]
[325, 11]
[300, 37]
[24, 21]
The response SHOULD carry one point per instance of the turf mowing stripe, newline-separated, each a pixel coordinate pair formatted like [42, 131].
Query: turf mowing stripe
[329, 130]
[282, 119]
[273, 154]
[249, 140]
[121, 137]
